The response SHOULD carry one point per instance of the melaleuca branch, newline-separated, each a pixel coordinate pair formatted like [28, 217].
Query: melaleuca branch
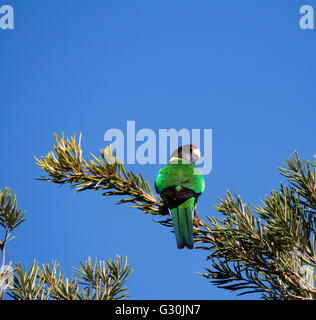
[65, 164]
[262, 253]
[302, 178]
[269, 248]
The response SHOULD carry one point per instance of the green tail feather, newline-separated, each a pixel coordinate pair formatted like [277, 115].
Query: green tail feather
[183, 223]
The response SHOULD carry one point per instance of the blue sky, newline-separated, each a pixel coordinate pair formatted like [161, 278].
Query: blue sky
[242, 68]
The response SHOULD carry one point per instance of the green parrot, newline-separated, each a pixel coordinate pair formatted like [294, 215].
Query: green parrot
[180, 183]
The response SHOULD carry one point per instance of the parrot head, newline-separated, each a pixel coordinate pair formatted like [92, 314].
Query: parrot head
[187, 152]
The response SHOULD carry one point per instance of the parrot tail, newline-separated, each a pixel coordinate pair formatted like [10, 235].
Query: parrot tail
[182, 217]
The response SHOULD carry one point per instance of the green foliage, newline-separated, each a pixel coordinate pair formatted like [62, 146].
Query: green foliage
[268, 248]
[106, 278]
[10, 218]
[103, 280]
